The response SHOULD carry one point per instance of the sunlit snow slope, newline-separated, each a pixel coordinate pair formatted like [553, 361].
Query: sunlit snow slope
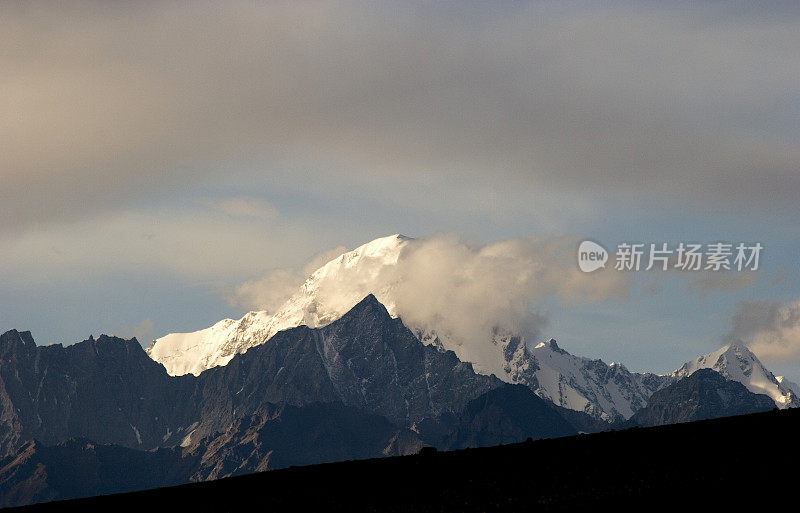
[326, 295]
[606, 391]
[737, 363]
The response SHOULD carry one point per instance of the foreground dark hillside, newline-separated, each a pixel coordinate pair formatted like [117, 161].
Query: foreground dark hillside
[721, 462]
[275, 437]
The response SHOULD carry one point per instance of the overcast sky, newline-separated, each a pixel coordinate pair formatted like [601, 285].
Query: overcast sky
[156, 155]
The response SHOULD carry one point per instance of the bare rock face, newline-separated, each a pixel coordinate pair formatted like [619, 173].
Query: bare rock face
[508, 414]
[361, 387]
[106, 390]
[705, 394]
[279, 436]
[81, 468]
[109, 391]
[365, 360]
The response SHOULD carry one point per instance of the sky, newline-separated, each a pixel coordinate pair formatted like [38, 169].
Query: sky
[158, 155]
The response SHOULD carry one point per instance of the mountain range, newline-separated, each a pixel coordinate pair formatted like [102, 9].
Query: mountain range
[361, 386]
[109, 391]
[705, 394]
[709, 465]
[327, 378]
[609, 392]
[330, 292]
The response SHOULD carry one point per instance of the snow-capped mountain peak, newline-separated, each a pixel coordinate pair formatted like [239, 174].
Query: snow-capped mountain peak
[549, 344]
[737, 363]
[606, 391]
[326, 295]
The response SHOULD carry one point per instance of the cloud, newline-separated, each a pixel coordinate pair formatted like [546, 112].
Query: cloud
[443, 284]
[705, 282]
[702, 281]
[106, 108]
[198, 245]
[460, 291]
[272, 289]
[243, 206]
[143, 331]
[770, 329]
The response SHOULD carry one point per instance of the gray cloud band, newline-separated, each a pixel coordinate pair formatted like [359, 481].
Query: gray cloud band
[102, 109]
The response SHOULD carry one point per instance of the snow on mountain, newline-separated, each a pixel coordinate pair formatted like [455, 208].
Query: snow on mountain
[607, 391]
[330, 292]
[737, 363]
[791, 385]
[610, 391]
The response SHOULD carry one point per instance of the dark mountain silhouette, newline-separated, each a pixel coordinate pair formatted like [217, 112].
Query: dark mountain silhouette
[81, 468]
[101, 417]
[705, 394]
[105, 390]
[365, 359]
[715, 464]
[507, 414]
[279, 436]
[109, 391]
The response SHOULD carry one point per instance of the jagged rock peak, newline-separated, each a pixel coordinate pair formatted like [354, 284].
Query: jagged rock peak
[23, 338]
